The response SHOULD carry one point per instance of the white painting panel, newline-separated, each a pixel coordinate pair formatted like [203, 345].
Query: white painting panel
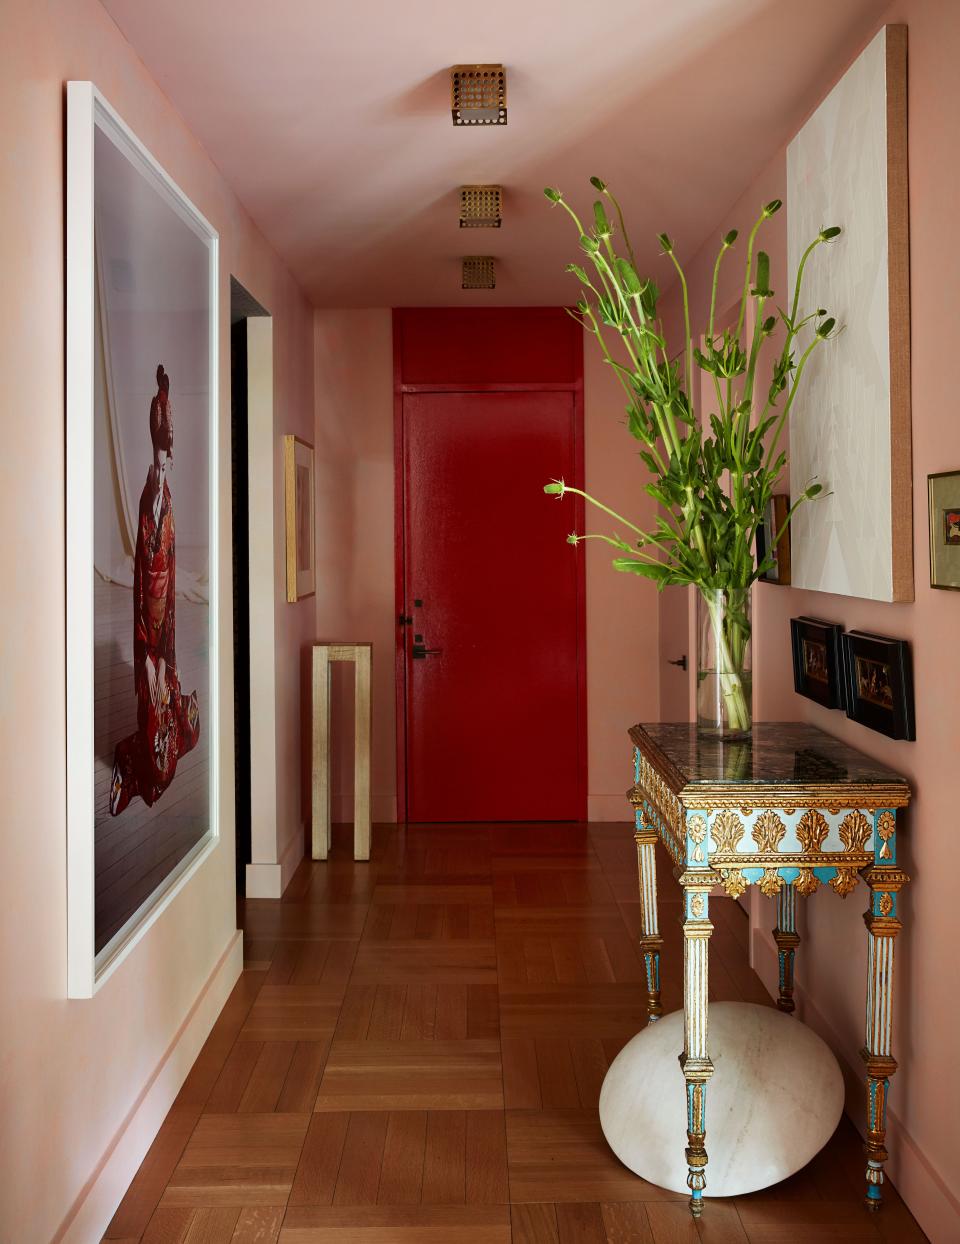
[840, 426]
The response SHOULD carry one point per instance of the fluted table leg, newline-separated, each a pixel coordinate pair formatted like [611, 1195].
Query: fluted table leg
[785, 935]
[885, 881]
[695, 1059]
[651, 942]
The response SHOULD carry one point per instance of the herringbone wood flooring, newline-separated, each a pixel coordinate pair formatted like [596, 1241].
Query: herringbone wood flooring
[414, 1055]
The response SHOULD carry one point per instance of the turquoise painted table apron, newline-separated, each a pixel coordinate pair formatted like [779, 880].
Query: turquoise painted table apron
[790, 810]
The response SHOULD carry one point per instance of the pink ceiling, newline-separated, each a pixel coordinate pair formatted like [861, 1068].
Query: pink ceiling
[331, 121]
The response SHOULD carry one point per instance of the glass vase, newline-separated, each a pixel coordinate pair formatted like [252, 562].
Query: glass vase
[724, 663]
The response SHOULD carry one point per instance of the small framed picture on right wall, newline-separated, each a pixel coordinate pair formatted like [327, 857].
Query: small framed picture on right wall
[944, 498]
[879, 681]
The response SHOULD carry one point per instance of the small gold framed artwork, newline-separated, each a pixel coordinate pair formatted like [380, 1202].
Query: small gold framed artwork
[298, 502]
[944, 494]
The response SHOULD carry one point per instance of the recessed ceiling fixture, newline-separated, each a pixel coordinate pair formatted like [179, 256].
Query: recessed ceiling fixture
[480, 207]
[478, 95]
[479, 272]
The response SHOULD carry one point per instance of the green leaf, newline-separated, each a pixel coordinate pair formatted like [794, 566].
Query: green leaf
[628, 278]
[658, 571]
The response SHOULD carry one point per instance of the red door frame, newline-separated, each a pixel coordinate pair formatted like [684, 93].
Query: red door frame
[575, 387]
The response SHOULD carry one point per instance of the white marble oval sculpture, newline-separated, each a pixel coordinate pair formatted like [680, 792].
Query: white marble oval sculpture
[773, 1101]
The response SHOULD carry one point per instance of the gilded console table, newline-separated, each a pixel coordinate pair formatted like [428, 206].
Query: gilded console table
[792, 811]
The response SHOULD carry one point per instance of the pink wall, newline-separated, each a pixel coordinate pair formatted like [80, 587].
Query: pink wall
[623, 671]
[925, 1161]
[355, 579]
[71, 1073]
[355, 558]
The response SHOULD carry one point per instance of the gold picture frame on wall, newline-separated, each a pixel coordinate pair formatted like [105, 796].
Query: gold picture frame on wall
[943, 491]
[299, 510]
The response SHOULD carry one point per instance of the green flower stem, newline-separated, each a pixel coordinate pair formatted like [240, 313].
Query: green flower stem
[748, 268]
[688, 341]
[731, 650]
[712, 483]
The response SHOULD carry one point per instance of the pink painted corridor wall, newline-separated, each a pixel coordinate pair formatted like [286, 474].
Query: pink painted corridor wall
[924, 1103]
[82, 1082]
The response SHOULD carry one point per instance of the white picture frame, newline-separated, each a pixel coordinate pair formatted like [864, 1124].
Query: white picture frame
[90, 115]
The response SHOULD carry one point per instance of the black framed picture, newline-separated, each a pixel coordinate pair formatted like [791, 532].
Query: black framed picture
[879, 683]
[817, 661]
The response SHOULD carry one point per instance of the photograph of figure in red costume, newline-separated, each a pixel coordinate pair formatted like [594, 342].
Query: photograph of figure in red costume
[168, 722]
[153, 378]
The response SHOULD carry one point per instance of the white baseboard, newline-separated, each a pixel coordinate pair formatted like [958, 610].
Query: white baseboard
[609, 808]
[270, 880]
[263, 881]
[913, 1174]
[293, 853]
[97, 1203]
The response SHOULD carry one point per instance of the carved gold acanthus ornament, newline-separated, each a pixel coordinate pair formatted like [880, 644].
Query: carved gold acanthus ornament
[734, 881]
[807, 882]
[885, 904]
[845, 881]
[768, 830]
[771, 882]
[854, 831]
[697, 905]
[727, 831]
[812, 829]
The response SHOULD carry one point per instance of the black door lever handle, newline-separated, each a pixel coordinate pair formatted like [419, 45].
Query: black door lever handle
[681, 661]
[420, 651]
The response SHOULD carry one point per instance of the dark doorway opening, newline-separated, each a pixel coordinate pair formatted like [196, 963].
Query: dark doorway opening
[242, 306]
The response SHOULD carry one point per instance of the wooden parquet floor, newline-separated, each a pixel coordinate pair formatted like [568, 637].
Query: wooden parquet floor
[414, 1054]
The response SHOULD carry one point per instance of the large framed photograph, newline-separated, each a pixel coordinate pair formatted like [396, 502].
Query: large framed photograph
[817, 661]
[944, 501]
[879, 680]
[142, 324]
[298, 507]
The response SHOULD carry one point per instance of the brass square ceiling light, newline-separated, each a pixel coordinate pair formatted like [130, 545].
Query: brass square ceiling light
[479, 272]
[480, 207]
[478, 95]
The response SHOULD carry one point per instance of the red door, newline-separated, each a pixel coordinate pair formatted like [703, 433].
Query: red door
[494, 712]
